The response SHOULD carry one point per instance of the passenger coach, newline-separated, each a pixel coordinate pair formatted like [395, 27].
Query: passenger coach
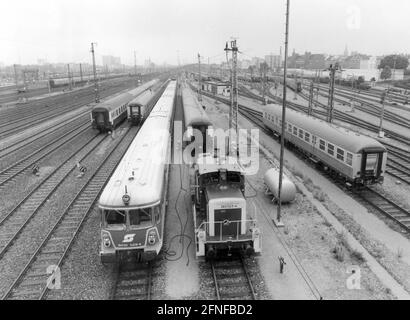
[107, 115]
[137, 109]
[357, 158]
[133, 203]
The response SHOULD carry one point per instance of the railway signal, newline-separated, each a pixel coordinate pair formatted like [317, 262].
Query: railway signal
[333, 68]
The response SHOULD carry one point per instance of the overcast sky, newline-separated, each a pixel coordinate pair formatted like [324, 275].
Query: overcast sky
[62, 30]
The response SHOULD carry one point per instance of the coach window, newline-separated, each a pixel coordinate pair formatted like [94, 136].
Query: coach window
[307, 137]
[314, 139]
[340, 154]
[115, 218]
[331, 149]
[295, 131]
[349, 158]
[301, 133]
[139, 217]
[322, 144]
[289, 127]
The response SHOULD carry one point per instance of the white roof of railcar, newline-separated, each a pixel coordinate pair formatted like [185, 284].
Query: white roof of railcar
[208, 163]
[142, 99]
[342, 137]
[142, 167]
[193, 112]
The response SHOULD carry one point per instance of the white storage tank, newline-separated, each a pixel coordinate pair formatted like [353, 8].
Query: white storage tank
[271, 179]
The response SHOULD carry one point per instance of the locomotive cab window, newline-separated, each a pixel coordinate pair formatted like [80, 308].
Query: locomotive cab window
[140, 217]
[115, 217]
[234, 177]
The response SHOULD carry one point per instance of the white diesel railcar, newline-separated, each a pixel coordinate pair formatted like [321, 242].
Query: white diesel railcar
[133, 203]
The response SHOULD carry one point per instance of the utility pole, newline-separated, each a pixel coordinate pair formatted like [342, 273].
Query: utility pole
[310, 99]
[332, 69]
[199, 79]
[15, 77]
[69, 77]
[282, 136]
[81, 72]
[263, 75]
[135, 65]
[233, 112]
[97, 96]
[352, 103]
[382, 98]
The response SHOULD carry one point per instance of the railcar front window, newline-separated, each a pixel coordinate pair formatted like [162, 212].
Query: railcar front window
[115, 218]
[140, 217]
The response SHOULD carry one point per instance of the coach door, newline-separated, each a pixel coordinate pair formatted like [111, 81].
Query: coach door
[371, 164]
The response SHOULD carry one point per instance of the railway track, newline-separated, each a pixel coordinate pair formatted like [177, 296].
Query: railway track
[388, 207]
[33, 281]
[133, 282]
[11, 172]
[13, 223]
[33, 140]
[367, 107]
[398, 159]
[232, 280]
[374, 96]
[18, 120]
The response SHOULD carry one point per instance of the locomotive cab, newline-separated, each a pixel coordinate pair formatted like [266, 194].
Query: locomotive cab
[222, 221]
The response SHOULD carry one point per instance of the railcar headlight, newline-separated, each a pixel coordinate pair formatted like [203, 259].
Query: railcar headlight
[152, 237]
[106, 240]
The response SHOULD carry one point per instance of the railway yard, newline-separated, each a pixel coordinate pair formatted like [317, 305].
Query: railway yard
[56, 165]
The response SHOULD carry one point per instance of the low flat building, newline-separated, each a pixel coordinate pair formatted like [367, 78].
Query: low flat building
[221, 88]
